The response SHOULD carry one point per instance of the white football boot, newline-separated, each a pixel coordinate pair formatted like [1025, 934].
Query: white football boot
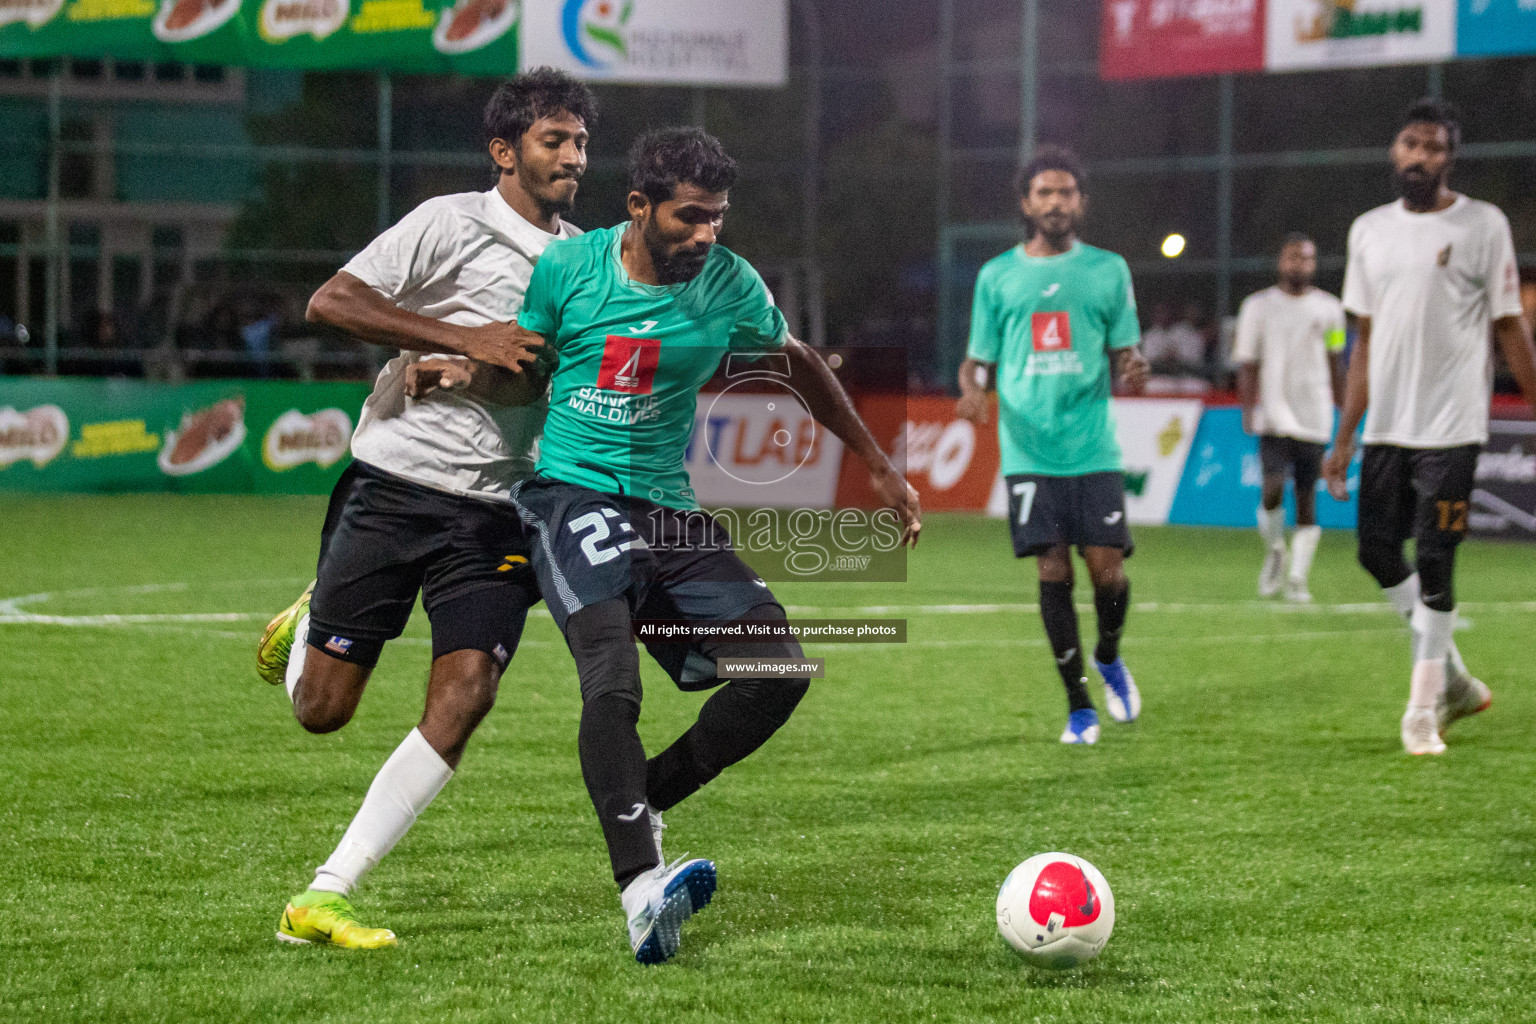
[1272, 576]
[660, 900]
[1464, 695]
[1421, 732]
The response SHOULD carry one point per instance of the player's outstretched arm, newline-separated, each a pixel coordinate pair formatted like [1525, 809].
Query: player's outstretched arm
[976, 379]
[833, 409]
[348, 303]
[1357, 395]
[1514, 338]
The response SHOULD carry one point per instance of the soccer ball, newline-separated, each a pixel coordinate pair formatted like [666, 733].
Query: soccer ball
[1056, 911]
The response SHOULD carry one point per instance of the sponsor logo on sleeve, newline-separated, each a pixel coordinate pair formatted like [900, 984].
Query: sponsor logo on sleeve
[338, 645]
[295, 438]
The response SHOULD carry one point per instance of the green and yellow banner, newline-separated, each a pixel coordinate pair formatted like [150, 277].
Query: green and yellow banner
[82, 434]
[473, 37]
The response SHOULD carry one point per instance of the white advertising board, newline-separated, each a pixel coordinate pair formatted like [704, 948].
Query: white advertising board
[682, 42]
[761, 451]
[1356, 33]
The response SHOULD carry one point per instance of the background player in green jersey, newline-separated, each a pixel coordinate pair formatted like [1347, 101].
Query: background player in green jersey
[640, 316]
[1052, 318]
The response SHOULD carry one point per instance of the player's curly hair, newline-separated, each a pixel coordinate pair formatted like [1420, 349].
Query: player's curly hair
[1434, 110]
[1051, 158]
[522, 99]
[662, 159]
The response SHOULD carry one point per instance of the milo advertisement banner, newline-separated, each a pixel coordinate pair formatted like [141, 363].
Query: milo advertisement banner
[219, 436]
[476, 37]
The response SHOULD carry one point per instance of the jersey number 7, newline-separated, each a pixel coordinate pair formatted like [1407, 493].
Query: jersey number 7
[1026, 495]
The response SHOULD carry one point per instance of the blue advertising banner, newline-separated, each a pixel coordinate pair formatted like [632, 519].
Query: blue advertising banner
[1485, 27]
[1222, 479]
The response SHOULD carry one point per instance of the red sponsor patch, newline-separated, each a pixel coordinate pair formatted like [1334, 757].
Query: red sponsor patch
[629, 364]
[1052, 331]
[1063, 888]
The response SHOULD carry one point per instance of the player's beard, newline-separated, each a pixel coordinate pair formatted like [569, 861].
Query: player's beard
[557, 203]
[673, 266]
[1419, 190]
[1057, 229]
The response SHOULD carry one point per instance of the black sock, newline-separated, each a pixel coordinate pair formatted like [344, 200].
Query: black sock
[734, 722]
[1060, 616]
[612, 756]
[1111, 604]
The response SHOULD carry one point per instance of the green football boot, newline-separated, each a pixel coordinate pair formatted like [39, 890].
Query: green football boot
[315, 917]
[277, 642]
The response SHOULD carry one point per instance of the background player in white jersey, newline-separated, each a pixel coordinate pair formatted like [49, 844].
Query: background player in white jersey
[1427, 276]
[1290, 376]
[425, 506]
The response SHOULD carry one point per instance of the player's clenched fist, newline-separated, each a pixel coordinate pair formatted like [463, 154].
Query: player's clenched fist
[1134, 370]
[1336, 470]
[973, 406]
[895, 493]
[429, 375]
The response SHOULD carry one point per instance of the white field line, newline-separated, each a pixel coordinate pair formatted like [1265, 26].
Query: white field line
[1153, 607]
[13, 610]
[12, 616]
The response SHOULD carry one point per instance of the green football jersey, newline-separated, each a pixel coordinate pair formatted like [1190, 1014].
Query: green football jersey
[1049, 323]
[631, 359]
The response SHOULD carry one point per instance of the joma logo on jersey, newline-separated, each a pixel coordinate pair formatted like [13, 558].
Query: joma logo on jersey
[629, 364]
[1052, 332]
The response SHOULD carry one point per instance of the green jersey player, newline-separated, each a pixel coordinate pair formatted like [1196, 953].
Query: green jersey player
[640, 316]
[1051, 319]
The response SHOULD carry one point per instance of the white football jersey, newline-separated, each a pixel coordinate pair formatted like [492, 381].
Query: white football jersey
[1432, 284]
[1290, 337]
[465, 259]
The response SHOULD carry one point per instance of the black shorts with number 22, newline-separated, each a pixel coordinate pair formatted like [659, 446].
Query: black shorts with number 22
[1085, 511]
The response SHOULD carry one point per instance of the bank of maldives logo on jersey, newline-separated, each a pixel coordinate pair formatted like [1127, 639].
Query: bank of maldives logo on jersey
[629, 364]
[1052, 332]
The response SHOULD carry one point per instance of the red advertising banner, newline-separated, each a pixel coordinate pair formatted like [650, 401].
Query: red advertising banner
[1169, 38]
[951, 462]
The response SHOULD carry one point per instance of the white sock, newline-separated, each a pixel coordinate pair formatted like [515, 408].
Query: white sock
[413, 775]
[1405, 598]
[1427, 684]
[296, 655]
[1303, 547]
[1272, 526]
[1433, 631]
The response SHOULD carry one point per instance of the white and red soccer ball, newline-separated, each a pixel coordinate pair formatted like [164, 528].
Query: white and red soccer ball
[1056, 911]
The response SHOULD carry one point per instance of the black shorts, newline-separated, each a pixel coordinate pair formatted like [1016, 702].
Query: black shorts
[1423, 493]
[1301, 460]
[667, 564]
[1087, 511]
[386, 539]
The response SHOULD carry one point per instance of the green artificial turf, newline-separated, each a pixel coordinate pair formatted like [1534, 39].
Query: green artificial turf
[1273, 853]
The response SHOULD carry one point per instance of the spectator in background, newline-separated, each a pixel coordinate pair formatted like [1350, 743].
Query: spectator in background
[1175, 348]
